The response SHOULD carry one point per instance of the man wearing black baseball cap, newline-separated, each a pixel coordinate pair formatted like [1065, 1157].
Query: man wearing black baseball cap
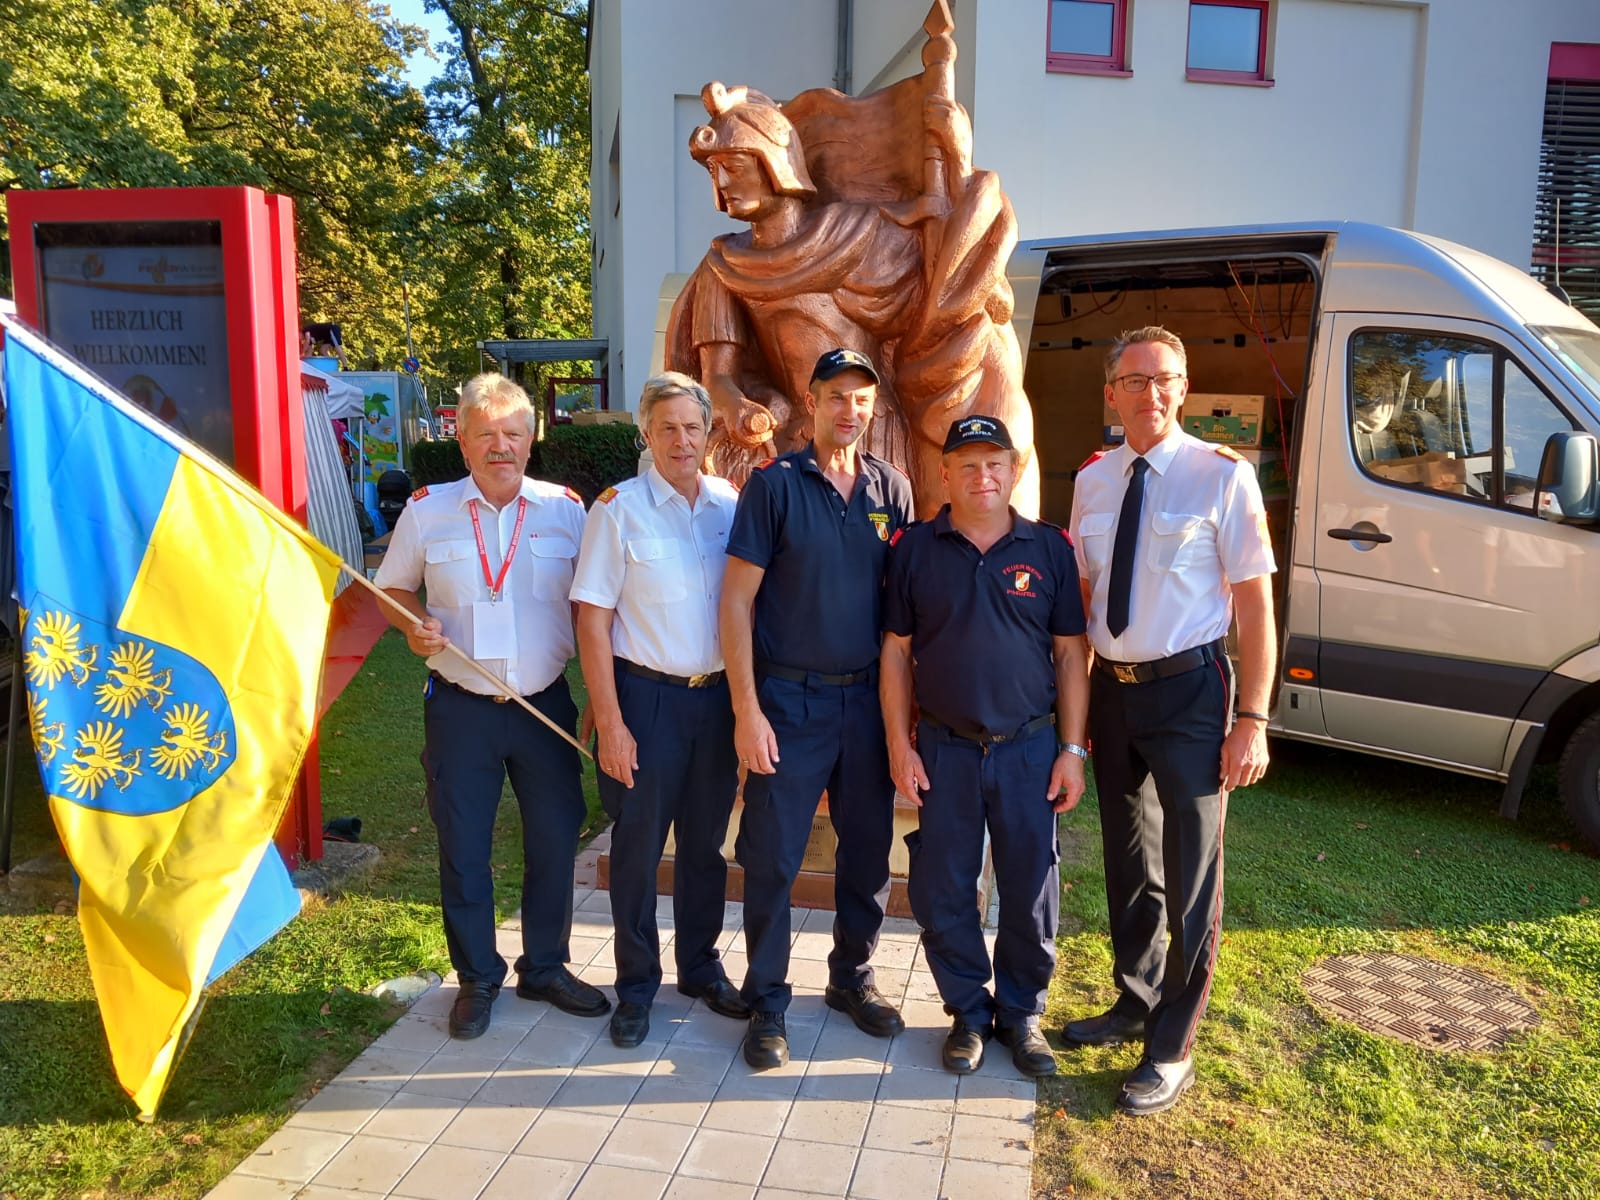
[801, 599]
[984, 625]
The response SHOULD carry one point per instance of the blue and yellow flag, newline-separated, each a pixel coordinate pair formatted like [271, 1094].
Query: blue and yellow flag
[173, 624]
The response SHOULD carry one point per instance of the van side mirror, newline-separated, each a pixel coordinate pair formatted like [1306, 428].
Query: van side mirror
[1569, 479]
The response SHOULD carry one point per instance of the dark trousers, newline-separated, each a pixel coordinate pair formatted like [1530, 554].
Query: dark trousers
[1001, 788]
[829, 738]
[687, 775]
[471, 745]
[1157, 765]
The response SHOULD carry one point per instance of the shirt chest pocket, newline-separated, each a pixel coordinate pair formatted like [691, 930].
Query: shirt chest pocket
[1178, 539]
[550, 557]
[451, 573]
[1094, 531]
[655, 571]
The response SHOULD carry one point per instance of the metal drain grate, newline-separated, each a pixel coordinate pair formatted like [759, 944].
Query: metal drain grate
[1419, 1001]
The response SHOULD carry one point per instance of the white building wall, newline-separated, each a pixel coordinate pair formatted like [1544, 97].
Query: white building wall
[668, 52]
[1420, 114]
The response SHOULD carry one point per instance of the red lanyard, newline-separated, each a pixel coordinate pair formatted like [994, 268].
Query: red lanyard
[497, 582]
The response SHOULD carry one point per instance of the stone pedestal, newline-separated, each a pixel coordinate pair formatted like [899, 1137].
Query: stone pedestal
[814, 886]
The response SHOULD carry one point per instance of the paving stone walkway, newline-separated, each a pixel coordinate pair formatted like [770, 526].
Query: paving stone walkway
[544, 1107]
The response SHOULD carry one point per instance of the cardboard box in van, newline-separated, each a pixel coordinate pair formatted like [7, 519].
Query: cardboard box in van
[1435, 470]
[1229, 420]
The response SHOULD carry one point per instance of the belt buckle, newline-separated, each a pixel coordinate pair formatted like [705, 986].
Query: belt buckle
[1125, 672]
[699, 681]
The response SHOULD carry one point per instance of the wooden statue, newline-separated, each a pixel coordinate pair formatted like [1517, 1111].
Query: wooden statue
[869, 228]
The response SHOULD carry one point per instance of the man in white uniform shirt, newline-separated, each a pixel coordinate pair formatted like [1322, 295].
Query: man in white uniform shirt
[1172, 543]
[495, 552]
[648, 582]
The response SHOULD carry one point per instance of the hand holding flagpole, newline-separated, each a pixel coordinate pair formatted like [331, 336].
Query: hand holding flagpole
[500, 685]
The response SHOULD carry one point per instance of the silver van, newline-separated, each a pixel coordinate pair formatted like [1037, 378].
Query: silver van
[1426, 437]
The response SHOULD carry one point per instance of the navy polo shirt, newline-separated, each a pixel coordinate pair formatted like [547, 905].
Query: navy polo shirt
[820, 601]
[981, 624]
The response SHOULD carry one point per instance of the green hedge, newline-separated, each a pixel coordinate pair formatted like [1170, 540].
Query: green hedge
[586, 458]
[590, 458]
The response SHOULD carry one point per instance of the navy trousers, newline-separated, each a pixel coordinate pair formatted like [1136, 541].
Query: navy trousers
[687, 775]
[471, 745]
[1001, 788]
[1157, 766]
[829, 737]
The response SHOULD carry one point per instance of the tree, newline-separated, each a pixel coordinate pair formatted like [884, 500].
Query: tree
[506, 220]
[302, 98]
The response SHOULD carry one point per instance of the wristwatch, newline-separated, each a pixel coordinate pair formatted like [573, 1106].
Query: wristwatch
[1073, 748]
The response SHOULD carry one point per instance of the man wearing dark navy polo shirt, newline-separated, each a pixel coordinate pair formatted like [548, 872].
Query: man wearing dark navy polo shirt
[800, 628]
[983, 622]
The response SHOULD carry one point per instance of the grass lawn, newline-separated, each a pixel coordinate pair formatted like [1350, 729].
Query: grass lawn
[278, 1026]
[1336, 853]
[1333, 853]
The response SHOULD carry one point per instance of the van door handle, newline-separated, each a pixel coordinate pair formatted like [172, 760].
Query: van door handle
[1370, 534]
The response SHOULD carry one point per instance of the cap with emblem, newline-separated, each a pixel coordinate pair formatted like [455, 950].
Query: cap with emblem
[836, 362]
[970, 431]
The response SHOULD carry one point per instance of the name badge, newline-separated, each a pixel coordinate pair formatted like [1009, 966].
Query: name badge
[494, 632]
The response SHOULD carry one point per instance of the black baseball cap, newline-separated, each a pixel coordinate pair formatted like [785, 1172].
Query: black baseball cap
[836, 362]
[969, 431]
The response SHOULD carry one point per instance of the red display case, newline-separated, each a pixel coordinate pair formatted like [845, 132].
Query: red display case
[185, 299]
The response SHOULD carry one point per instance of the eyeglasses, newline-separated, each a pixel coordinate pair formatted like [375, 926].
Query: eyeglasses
[1134, 384]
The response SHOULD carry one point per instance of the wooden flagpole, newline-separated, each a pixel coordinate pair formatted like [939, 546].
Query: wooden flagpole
[499, 684]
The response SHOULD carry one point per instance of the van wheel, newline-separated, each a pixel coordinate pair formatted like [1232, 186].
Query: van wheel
[1580, 778]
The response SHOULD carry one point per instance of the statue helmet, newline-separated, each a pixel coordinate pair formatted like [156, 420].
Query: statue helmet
[745, 121]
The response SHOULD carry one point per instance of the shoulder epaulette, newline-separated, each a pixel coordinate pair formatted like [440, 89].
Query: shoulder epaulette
[1066, 535]
[1227, 452]
[1093, 458]
[605, 497]
[897, 534]
[577, 499]
[419, 493]
[765, 463]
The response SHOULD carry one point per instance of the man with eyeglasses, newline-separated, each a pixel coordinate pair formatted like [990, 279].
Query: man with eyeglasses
[1172, 544]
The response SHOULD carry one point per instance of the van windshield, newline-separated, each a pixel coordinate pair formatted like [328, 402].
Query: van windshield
[1579, 349]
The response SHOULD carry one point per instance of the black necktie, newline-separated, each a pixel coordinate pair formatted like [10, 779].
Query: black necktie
[1122, 551]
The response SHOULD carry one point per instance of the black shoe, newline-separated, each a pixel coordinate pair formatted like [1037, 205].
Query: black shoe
[1029, 1051]
[766, 1045]
[963, 1048]
[469, 1015]
[1110, 1028]
[1148, 1091]
[568, 993]
[867, 1008]
[629, 1024]
[721, 997]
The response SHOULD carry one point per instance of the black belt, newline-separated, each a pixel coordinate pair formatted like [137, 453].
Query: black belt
[1162, 668]
[794, 675]
[497, 698]
[710, 679]
[991, 739]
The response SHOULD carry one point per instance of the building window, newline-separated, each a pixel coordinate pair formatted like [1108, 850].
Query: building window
[1228, 41]
[1088, 36]
[1566, 224]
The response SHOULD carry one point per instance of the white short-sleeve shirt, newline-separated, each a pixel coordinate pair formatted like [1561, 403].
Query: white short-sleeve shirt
[1203, 529]
[659, 565]
[434, 545]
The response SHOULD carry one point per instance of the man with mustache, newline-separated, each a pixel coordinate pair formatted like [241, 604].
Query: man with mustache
[495, 551]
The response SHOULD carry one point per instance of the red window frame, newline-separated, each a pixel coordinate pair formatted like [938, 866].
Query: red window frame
[1256, 78]
[1115, 63]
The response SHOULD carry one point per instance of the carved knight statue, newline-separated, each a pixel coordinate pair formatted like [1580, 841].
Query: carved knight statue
[869, 229]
